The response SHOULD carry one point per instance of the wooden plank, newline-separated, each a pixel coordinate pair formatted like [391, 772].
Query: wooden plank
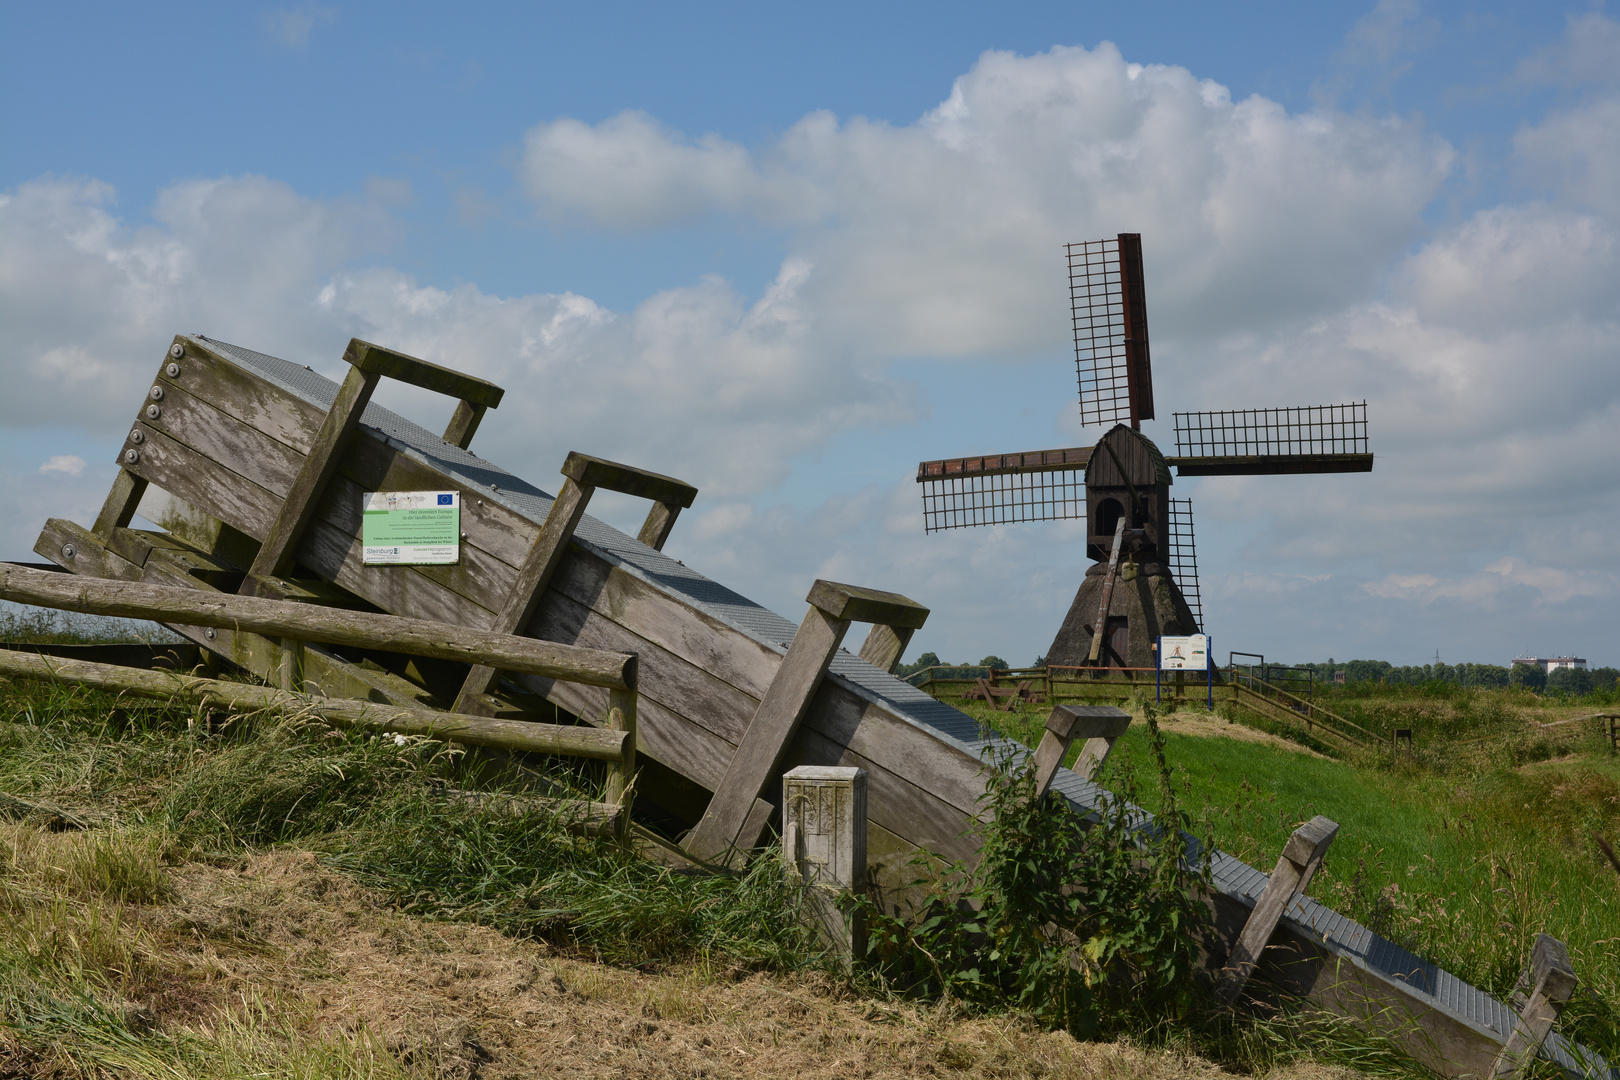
[1100, 725]
[532, 579]
[338, 557]
[121, 502]
[377, 360]
[717, 648]
[1301, 856]
[464, 424]
[620, 789]
[1553, 980]
[852, 603]
[202, 482]
[884, 645]
[332, 626]
[588, 742]
[766, 740]
[595, 472]
[216, 379]
[221, 437]
[1100, 627]
[279, 547]
[659, 524]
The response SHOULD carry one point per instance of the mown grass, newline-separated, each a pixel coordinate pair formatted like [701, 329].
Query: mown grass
[1463, 851]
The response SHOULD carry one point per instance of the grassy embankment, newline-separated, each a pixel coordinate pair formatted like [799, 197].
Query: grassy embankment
[1463, 851]
[189, 895]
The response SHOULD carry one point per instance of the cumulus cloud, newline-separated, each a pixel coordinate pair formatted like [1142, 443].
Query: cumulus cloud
[292, 27]
[67, 464]
[943, 237]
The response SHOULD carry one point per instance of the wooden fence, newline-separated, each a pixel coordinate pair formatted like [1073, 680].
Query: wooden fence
[294, 623]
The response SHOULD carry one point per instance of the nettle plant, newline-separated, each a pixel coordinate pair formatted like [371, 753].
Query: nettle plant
[1089, 923]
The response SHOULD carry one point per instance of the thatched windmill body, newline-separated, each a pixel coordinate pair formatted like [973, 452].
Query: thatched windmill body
[1143, 582]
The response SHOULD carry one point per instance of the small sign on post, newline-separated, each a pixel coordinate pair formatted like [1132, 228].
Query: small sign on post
[410, 528]
[1185, 653]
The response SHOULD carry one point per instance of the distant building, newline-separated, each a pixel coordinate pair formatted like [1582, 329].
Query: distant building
[1550, 664]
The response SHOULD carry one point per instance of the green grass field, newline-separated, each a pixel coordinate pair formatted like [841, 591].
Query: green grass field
[1463, 852]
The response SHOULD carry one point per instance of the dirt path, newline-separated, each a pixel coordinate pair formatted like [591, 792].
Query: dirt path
[467, 1002]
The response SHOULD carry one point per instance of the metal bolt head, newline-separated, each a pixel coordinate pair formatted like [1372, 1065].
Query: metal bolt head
[177, 350]
[172, 371]
[131, 456]
[137, 436]
[209, 633]
[68, 551]
[156, 393]
[153, 412]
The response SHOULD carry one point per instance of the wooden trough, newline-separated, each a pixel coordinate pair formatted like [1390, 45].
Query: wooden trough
[255, 469]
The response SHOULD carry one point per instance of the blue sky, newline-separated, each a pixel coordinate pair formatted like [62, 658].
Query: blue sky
[806, 247]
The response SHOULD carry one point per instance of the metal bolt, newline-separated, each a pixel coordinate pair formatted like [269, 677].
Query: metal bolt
[137, 436]
[209, 633]
[156, 393]
[131, 456]
[172, 371]
[153, 412]
[68, 551]
[463, 538]
[177, 350]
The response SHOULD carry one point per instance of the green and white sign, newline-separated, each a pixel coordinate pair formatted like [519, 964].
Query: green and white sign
[410, 528]
[1190, 653]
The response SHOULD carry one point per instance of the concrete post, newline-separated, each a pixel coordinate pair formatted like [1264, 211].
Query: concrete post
[824, 847]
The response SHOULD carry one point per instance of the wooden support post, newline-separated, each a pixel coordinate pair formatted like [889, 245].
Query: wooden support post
[884, 645]
[728, 826]
[280, 546]
[464, 424]
[119, 508]
[1552, 982]
[1099, 725]
[583, 475]
[621, 716]
[1100, 628]
[292, 665]
[824, 849]
[660, 521]
[1301, 857]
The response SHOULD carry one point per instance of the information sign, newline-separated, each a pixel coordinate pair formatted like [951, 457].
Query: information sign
[1190, 653]
[410, 528]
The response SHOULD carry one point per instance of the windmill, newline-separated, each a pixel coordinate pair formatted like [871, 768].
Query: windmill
[1144, 578]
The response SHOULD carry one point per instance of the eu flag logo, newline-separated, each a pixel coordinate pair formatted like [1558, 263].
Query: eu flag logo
[446, 500]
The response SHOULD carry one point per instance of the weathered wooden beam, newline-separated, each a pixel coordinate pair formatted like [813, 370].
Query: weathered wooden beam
[121, 503]
[884, 645]
[464, 424]
[621, 716]
[310, 622]
[659, 524]
[279, 549]
[533, 577]
[1553, 981]
[1100, 629]
[377, 360]
[1300, 858]
[1099, 725]
[583, 475]
[730, 823]
[598, 472]
[601, 744]
[759, 753]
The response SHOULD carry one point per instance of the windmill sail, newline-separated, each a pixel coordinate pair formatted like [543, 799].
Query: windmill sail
[1110, 330]
[1254, 442]
[1036, 485]
[1183, 556]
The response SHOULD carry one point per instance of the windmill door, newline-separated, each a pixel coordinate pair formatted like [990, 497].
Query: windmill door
[1117, 643]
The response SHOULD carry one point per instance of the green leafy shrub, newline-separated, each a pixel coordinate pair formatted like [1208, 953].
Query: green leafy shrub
[1090, 924]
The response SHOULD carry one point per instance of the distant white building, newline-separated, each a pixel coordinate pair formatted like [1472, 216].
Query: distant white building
[1550, 664]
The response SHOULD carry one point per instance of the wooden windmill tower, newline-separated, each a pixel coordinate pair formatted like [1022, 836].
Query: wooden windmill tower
[1144, 579]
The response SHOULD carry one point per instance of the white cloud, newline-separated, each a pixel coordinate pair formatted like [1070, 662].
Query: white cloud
[942, 237]
[292, 26]
[67, 464]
